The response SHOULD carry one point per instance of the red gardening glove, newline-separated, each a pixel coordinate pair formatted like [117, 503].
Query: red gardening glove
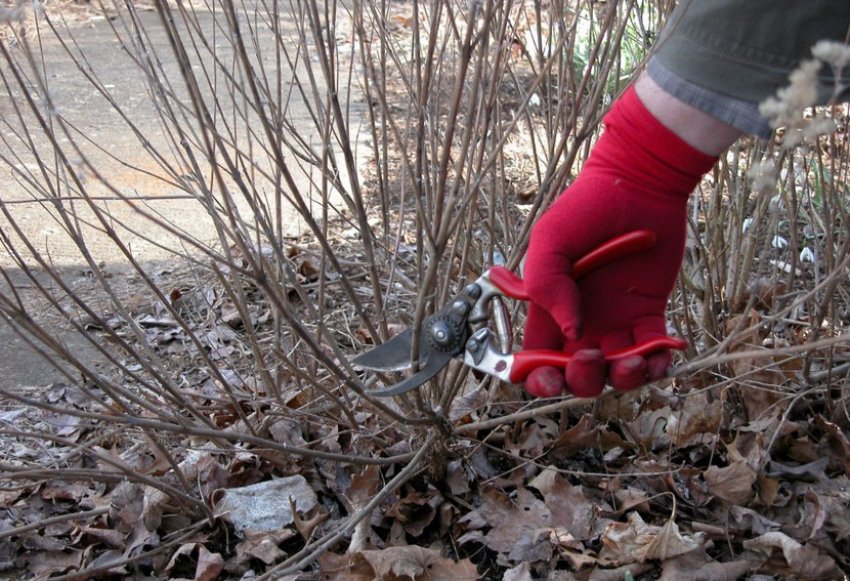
[639, 176]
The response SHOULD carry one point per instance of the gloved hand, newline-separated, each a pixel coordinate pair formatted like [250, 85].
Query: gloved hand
[638, 176]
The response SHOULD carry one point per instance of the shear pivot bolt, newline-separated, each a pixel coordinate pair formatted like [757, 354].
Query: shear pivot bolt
[441, 333]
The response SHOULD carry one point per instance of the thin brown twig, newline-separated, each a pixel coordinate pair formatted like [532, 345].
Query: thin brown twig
[20, 530]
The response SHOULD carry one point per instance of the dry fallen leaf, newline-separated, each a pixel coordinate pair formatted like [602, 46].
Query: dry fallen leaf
[348, 567]
[521, 572]
[835, 445]
[568, 505]
[532, 438]
[306, 526]
[210, 565]
[697, 566]
[748, 521]
[648, 431]
[637, 541]
[416, 510]
[789, 557]
[402, 21]
[733, 483]
[419, 564]
[363, 487]
[519, 528]
[47, 563]
[587, 433]
[112, 537]
[263, 546]
[466, 407]
[363, 336]
[458, 477]
[697, 422]
[759, 376]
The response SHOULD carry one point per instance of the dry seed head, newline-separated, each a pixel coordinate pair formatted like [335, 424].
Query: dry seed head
[763, 176]
[817, 127]
[790, 102]
[832, 53]
[787, 109]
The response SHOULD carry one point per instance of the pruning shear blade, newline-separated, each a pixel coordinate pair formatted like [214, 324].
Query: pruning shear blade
[391, 355]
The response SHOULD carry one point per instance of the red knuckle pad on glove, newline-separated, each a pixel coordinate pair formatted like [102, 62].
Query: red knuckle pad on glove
[628, 374]
[586, 373]
[638, 176]
[546, 382]
[657, 364]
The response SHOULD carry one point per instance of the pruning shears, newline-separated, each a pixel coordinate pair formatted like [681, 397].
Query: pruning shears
[460, 329]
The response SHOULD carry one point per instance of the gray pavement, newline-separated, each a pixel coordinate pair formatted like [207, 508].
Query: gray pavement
[119, 157]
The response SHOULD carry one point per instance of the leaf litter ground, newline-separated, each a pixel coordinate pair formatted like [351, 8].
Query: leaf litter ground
[695, 479]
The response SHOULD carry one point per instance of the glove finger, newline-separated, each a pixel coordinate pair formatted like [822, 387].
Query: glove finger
[585, 373]
[546, 382]
[542, 332]
[628, 373]
[659, 362]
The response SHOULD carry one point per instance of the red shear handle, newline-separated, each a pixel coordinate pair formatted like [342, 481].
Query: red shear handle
[630, 243]
[617, 247]
[510, 284]
[524, 362]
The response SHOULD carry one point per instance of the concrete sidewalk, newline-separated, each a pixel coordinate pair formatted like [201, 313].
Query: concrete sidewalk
[102, 135]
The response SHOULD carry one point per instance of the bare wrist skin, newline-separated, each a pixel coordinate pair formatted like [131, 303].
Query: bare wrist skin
[696, 128]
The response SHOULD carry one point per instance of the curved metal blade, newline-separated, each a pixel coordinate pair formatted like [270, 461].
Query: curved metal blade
[433, 366]
[393, 355]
